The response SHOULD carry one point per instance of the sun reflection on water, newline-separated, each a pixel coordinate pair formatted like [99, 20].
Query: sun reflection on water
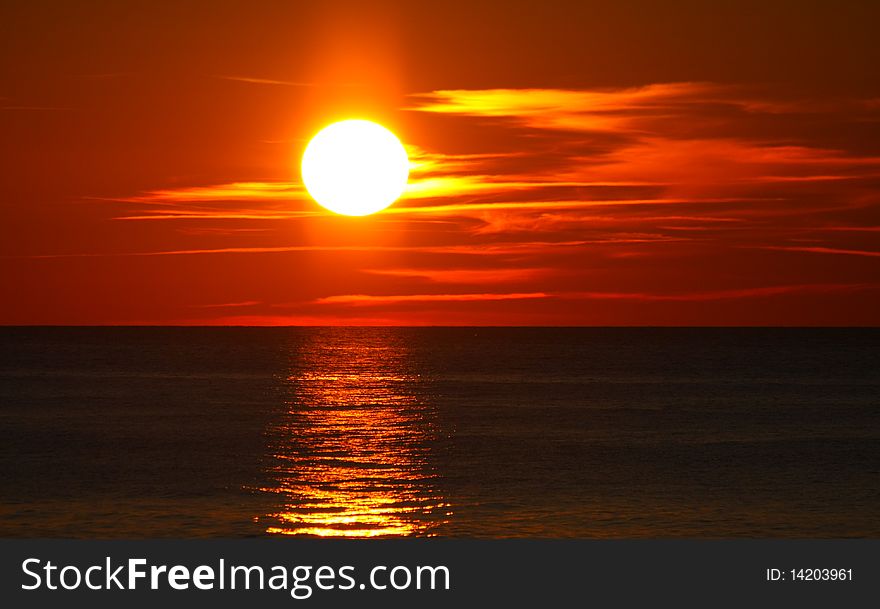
[352, 455]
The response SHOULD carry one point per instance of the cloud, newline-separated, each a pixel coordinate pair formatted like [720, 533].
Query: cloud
[758, 292]
[228, 305]
[681, 136]
[228, 231]
[727, 164]
[822, 250]
[367, 300]
[236, 214]
[233, 191]
[570, 110]
[865, 229]
[478, 249]
[731, 294]
[479, 276]
[267, 81]
[681, 107]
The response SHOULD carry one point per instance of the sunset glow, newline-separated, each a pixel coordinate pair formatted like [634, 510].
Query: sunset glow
[562, 181]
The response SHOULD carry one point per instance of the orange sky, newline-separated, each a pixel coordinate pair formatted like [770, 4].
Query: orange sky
[627, 163]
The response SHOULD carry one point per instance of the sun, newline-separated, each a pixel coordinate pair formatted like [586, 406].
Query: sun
[355, 167]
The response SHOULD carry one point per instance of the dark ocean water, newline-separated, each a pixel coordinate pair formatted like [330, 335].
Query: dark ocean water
[147, 432]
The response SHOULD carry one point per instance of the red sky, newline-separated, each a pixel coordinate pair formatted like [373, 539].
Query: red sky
[626, 163]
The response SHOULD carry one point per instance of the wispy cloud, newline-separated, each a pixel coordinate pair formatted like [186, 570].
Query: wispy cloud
[478, 249]
[570, 110]
[207, 230]
[466, 275]
[233, 191]
[228, 305]
[732, 294]
[267, 81]
[822, 250]
[757, 292]
[849, 229]
[367, 300]
[686, 107]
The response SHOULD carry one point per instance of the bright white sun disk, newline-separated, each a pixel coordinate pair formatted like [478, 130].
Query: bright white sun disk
[355, 167]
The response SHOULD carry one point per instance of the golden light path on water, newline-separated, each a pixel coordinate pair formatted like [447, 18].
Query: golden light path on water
[351, 456]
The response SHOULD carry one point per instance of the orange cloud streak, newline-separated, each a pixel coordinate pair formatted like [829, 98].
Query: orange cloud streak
[367, 300]
[459, 276]
[822, 250]
[564, 109]
[721, 294]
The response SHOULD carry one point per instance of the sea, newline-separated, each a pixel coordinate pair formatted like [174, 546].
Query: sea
[142, 432]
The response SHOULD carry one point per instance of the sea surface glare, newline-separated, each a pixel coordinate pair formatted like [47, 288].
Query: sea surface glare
[489, 432]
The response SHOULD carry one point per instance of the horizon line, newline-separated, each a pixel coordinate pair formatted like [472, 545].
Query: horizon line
[525, 326]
